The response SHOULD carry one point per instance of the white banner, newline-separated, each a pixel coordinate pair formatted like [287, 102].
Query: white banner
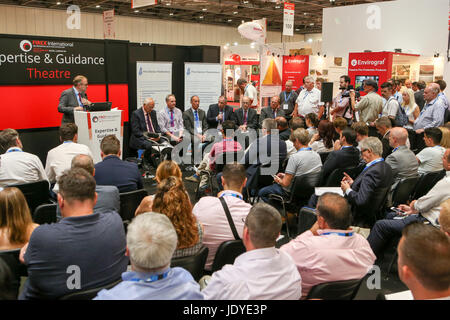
[153, 80]
[203, 80]
[108, 24]
[288, 19]
[142, 3]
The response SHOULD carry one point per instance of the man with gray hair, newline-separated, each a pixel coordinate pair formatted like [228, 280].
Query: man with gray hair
[272, 111]
[308, 99]
[287, 100]
[263, 272]
[170, 120]
[376, 176]
[151, 242]
[248, 90]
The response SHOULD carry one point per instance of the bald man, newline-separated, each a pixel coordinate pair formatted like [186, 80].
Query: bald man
[144, 120]
[271, 111]
[287, 100]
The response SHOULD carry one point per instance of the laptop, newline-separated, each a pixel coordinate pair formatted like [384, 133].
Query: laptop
[99, 106]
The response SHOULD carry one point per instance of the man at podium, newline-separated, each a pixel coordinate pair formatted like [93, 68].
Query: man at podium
[74, 98]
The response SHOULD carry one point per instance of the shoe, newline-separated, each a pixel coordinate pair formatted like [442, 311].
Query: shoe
[192, 178]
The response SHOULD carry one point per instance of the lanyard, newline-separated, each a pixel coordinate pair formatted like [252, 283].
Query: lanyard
[287, 99]
[153, 278]
[304, 149]
[231, 195]
[14, 150]
[342, 234]
[372, 163]
[68, 141]
[345, 147]
[395, 150]
[306, 94]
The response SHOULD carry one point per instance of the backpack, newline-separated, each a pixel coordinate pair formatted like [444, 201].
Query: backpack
[401, 119]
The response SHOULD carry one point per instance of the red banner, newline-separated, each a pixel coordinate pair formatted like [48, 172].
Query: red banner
[295, 69]
[369, 65]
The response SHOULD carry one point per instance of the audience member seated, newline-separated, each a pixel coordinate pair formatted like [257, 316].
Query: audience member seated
[424, 262]
[444, 217]
[261, 273]
[112, 171]
[17, 166]
[151, 242]
[305, 161]
[362, 131]
[210, 212]
[377, 174]
[445, 141]
[16, 225]
[430, 158]
[295, 123]
[170, 120]
[172, 199]
[330, 250]
[283, 129]
[271, 112]
[60, 157]
[423, 209]
[312, 122]
[84, 250]
[166, 169]
[384, 126]
[108, 198]
[346, 156]
[339, 124]
[322, 141]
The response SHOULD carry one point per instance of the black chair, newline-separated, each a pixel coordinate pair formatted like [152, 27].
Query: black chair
[403, 190]
[323, 156]
[36, 193]
[227, 252]
[195, 264]
[129, 201]
[337, 290]
[425, 183]
[88, 294]
[301, 190]
[334, 179]
[8, 282]
[365, 216]
[11, 259]
[45, 213]
[306, 219]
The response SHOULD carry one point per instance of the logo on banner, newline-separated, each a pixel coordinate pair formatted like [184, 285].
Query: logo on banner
[374, 63]
[140, 71]
[188, 71]
[95, 119]
[354, 62]
[25, 46]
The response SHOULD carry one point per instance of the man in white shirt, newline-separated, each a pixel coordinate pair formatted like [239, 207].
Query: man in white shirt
[17, 166]
[210, 212]
[249, 91]
[391, 105]
[59, 158]
[261, 273]
[424, 262]
[308, 100]
[430, 158]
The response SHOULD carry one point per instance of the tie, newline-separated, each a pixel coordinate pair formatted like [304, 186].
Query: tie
[197, 123]
[149, 123]
[81, 101]
[245, 117]
[223, 116]
[172, 123]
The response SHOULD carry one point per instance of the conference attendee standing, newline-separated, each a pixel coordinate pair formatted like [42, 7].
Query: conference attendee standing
[144, 120]
[272, 111]
[442, 85]
[341, 105]
[411, 108]
[249, 91]
[288, 97]
[418, 95]
[245, 117]
[261, 273]
[60, 157]
[308, 100]
[170, 120]
[391, 105]
[112, 171]
[218, 113]
[17, 166]
[85, 248]
[73, 99]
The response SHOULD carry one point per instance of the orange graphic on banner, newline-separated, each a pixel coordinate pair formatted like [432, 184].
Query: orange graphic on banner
[272, 77]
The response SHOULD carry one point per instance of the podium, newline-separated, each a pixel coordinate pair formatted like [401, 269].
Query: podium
[94, 126]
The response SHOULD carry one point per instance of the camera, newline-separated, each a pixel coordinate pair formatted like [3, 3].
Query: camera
[346, 93]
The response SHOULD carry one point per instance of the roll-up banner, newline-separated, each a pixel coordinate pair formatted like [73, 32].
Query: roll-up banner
[153, 80]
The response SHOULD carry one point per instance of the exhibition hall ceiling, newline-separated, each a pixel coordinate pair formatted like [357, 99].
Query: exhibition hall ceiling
[308, 14]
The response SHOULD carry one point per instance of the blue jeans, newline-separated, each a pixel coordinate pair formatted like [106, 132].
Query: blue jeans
[273, 189]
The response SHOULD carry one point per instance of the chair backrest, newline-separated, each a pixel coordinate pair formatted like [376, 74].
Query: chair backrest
[11, 258]
[303, 186]
[227, 252]
[403, 190]
[129, 201]
[45, 213]
[334, 179]
[306, 219]
[226, 157]
[323, 156]
[337, 290]
[426, 182]
[36, 193]
[195, 264]
[88, 294]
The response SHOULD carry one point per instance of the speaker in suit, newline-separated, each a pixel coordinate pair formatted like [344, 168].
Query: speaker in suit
[138, 125]
[213, 112]
[268, 112]
[67, 102]
[252, 118]
[346, 157]
[112, 171]
[189, 121]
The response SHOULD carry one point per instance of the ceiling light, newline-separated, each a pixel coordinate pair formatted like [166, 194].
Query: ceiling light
[229, 20]
[204, 9]
[58, 3]
[311, 24]
[97, 6]
[167, 3]
[201, 17]
[235, 44]
[243, 21]
[235, 12]
[277, 7]
[136, 11]
[310, 40]
[171, 14]
[245, 2]
[297, 29]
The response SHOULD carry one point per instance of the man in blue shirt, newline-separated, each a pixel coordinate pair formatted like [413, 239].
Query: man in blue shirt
[151, 242]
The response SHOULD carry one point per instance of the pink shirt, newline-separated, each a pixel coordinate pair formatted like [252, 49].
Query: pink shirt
[226, 145]
[209, 212]
[331, 257]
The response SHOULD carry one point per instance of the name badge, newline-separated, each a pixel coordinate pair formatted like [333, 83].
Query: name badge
[285, 106]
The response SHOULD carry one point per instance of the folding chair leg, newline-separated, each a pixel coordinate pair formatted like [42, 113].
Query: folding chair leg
[286, 220]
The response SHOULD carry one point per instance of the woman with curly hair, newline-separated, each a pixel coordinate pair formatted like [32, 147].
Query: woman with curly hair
[323, 140]
[172, 200]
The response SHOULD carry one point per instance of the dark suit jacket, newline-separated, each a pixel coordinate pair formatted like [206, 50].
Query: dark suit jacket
[252, 118]
[343, 158]
[213, 112]
[189, 120]
[387, 149]
[68, 101]
[112, 171]
[267, 113]
[285, 134]
[365, 188]
[139, 126]
[418, 96]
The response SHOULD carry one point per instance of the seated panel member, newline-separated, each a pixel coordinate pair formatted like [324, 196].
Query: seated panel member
[74, 98]
[245, 117]
[272, 111]
[218, 113]
[194, 120]
[170, 120]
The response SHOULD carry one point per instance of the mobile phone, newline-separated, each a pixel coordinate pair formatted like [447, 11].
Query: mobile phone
[398, 211]
[273, 176]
